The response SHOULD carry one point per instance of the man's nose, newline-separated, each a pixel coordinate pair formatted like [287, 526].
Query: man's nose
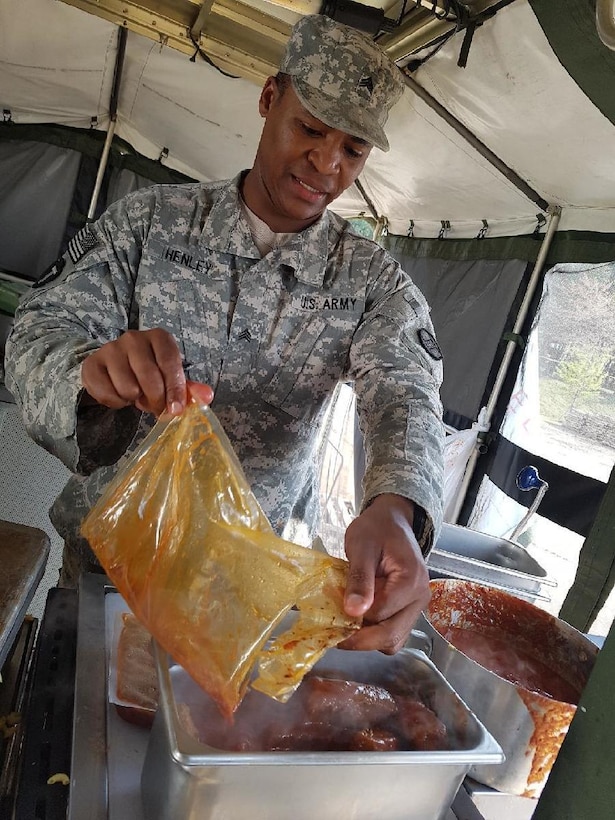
[326, 157]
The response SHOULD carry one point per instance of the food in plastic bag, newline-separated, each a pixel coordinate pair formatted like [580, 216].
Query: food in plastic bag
[183, 538]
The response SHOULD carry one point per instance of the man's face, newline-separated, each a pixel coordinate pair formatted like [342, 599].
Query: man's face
[301, 164]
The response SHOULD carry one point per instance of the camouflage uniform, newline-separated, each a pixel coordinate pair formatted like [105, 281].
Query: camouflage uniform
[272, 336]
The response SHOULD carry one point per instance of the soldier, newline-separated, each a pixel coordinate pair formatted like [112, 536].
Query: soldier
[254, 288]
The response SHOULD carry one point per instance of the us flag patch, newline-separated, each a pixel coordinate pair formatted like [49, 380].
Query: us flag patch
[82, 243]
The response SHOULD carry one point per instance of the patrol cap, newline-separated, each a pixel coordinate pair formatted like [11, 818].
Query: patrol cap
[342, 77]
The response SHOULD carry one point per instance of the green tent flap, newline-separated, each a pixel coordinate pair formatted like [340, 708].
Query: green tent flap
[581, 785]
[89, 142]
[595, 575]
[567, 246]
[570, 27]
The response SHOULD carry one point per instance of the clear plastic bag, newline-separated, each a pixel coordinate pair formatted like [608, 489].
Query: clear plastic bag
[183, 538]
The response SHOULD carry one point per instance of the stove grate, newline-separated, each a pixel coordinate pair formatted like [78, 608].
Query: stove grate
[49, 714]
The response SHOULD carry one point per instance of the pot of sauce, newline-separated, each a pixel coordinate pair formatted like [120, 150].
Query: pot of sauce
[519, 669]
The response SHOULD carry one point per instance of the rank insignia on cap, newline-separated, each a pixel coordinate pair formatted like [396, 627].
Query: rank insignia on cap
[82, 243]
[367, 82]
[429, 344]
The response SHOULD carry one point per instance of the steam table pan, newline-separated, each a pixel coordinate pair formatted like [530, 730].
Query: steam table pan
[183, 778]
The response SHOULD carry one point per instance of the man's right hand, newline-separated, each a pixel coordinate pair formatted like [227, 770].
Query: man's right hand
[141, 368]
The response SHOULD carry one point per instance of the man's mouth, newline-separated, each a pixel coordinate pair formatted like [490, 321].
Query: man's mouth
[310, 188]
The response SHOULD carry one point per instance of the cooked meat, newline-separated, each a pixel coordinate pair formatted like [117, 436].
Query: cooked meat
[419, 726]
[307, 737]
[374, 740]
[324, 715]
[345, 704]
[137, 680]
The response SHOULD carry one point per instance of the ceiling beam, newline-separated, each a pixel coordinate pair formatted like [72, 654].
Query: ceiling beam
[236, 37]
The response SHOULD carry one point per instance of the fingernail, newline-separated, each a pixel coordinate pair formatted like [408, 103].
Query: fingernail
[176, 408]
[355, 600]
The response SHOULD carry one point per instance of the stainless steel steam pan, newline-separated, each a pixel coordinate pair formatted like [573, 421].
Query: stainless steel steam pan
[183, 778]
[488, 559]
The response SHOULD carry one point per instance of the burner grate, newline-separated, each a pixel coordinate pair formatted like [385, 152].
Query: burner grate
[49, 714]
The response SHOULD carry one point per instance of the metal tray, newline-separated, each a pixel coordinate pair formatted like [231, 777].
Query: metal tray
[487, 559]
[183, 778]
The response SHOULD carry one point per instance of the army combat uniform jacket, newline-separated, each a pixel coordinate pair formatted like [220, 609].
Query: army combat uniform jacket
[273, 336]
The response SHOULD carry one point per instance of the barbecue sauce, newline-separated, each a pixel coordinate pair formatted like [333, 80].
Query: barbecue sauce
[499, 655]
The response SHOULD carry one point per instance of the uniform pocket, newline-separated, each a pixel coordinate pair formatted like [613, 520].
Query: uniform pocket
[310, 368]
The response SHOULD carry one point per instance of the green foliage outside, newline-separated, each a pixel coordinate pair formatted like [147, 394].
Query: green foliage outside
[578, 319]
[583, 372]
[555, 402]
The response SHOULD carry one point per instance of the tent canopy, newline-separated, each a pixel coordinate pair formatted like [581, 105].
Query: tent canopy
[536, 90]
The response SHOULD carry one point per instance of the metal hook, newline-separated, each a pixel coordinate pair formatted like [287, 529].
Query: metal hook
[446, 226]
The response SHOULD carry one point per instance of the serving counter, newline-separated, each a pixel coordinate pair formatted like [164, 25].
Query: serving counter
[94, 758]
[71, 729]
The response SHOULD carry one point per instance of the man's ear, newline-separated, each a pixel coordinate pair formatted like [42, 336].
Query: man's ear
[268, 96]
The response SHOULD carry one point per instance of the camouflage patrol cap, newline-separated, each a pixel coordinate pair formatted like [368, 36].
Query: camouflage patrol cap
[342, 77]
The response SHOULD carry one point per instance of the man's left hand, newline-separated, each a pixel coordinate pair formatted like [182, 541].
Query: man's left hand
[388, 583]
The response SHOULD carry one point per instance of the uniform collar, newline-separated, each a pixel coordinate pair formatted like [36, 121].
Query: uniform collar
[226, 231]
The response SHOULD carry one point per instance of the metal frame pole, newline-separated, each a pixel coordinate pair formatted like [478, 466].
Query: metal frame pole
[115, 88]
[553, 221]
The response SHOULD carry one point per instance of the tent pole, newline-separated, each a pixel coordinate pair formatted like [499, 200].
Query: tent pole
[115, 88]
[368, 202]
[102, 167]
[555, 213]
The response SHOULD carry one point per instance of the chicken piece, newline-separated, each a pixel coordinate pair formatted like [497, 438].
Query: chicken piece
[374, 740]
[421, 729]
[345, 704]
[307, 737]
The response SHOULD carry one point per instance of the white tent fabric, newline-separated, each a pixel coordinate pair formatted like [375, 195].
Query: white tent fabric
[56, 65]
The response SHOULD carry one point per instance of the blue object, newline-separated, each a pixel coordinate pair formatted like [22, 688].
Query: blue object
[528, 479]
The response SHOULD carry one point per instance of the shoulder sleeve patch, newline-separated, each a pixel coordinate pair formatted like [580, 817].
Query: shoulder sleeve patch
[429, 344]
[52, 272]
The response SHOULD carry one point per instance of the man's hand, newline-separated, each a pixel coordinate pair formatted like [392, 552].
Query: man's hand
[141, 368]
[388, 581]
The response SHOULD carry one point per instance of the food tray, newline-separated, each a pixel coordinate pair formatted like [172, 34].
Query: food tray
[487, 559]
[183, 778]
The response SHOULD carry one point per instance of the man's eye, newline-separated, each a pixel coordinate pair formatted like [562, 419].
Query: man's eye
[353, 153]
[311, 132]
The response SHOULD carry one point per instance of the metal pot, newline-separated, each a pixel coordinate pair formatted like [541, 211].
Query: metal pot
[529, 727]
